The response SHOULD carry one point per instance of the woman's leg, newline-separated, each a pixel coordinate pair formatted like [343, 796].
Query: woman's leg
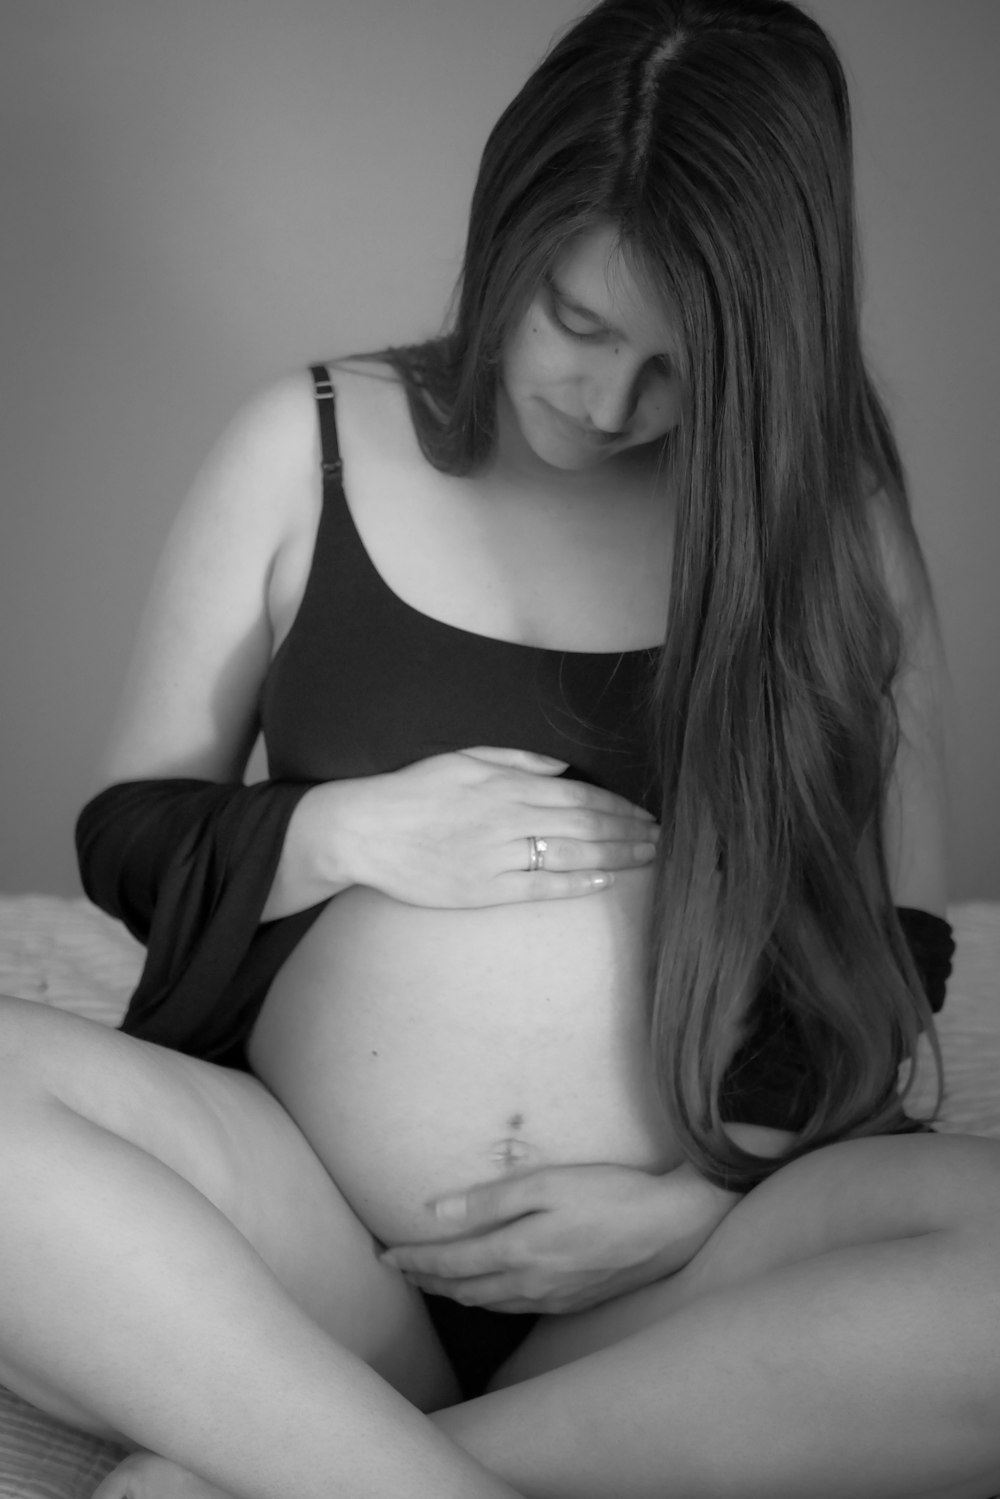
[177, 1268]
[837, 1338]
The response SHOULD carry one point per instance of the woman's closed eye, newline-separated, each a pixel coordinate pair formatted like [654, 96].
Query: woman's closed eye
[559, 315]
[567, 320]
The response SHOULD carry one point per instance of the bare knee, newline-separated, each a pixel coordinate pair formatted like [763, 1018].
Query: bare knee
[56, 1067]
[46, 1052]
[23, 1025]
[971, 1164]
[851, 1193]
[29, 1062]
[889, 1186]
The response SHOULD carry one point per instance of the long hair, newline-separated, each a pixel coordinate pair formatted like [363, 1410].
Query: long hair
[716, 136]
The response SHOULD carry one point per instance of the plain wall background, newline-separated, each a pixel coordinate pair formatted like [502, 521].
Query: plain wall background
[198, 196]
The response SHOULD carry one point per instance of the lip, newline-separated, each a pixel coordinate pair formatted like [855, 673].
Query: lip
[591, 435]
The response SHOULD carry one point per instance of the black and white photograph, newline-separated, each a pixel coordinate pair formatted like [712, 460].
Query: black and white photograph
[499, 829]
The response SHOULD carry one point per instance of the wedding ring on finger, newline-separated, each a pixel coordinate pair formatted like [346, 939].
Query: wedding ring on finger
[537, 848]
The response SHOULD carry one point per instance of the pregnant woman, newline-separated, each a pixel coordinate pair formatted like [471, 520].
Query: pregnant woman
[511, 1102]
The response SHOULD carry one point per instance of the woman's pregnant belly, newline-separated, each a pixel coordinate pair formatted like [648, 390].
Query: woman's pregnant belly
[423, 1051]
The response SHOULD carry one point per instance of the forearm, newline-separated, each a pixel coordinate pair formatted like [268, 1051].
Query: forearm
[315, 861]
[693, 1207]
[324, 845]
[708, 1204]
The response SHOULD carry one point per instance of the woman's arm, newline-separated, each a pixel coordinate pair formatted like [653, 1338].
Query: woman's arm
[189, 707]
[174, 844]
[564, 1238]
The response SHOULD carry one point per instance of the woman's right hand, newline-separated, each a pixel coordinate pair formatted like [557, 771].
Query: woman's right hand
[453, 831]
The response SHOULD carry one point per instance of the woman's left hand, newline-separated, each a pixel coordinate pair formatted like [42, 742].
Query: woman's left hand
[564, 1238]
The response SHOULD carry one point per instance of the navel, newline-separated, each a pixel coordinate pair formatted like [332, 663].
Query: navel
[510, 1153]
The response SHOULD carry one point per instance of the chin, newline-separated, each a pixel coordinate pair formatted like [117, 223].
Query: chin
[568, 453]
[566, 462]
[582, 464]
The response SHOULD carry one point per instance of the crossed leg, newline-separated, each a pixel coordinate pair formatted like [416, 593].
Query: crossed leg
[837, 1338]
[178, 1270]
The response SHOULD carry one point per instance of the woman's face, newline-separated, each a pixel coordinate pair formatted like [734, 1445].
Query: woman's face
[591, 371]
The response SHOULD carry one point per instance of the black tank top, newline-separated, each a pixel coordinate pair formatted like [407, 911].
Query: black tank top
[364, 683]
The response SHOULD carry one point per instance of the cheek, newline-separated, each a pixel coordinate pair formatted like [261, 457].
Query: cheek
[665, 410]
[533, 356]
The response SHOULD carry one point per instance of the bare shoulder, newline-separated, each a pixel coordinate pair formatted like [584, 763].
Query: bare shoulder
[230, 579]
[373, 419]
[272, 447]
[258, 494]
[188, 707]
[265, 459]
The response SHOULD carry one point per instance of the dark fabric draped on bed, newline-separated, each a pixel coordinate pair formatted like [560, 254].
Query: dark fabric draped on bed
[768, 1072]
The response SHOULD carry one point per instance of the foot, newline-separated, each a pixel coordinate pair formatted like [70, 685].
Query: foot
[143, 1475]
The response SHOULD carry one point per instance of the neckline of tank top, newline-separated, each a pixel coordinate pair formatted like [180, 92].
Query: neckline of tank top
[335, 482]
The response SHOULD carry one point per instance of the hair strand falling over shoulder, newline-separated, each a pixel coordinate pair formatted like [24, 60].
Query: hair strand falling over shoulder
[715, 136]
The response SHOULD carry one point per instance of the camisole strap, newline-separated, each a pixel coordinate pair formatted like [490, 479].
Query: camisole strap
[332, 465]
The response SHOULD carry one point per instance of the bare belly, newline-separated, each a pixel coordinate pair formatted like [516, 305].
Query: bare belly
[423, 1051]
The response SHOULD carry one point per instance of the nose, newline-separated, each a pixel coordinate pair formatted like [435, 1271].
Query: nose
[612, 398]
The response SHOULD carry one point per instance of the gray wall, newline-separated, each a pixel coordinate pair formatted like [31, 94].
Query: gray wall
[199, 195]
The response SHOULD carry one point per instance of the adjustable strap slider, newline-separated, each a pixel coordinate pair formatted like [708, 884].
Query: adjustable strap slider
[331, 466]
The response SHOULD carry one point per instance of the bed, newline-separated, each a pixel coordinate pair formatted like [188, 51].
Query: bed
[67, 953]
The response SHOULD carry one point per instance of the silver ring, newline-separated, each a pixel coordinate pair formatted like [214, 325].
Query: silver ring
[537, 848]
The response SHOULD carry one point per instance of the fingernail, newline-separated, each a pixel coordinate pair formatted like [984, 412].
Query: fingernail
[450, 1207]
[601, 880]
[644, 850]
